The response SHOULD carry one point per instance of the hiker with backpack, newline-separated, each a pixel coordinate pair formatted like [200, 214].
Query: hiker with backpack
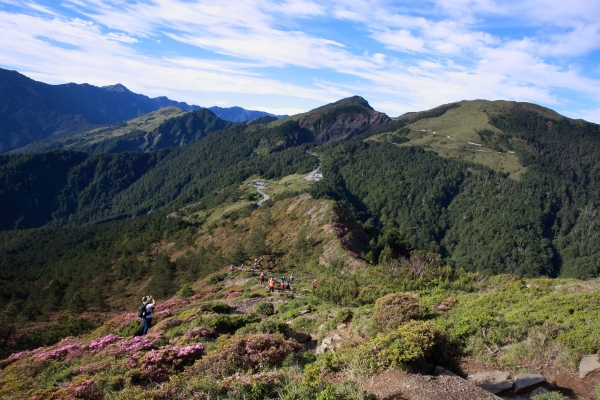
[291, 278]
[314, 284]
[145, 311]
[262, 277]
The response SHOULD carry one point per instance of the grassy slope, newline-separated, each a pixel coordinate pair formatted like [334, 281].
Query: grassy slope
[461, 125]
[146, 123]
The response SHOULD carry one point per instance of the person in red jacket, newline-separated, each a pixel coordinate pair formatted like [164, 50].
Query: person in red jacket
[314, 284]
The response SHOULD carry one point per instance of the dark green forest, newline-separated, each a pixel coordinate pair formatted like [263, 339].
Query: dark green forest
[546, 224]
[69, 217]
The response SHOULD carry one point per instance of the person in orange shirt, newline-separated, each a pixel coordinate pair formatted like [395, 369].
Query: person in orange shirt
[271, 285]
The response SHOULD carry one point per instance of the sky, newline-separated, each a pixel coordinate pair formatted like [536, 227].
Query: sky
[291, 56]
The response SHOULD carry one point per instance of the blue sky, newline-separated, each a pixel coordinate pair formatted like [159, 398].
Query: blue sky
[290, 56]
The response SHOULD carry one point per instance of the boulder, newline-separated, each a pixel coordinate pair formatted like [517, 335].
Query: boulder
[524, 381]
[336, 337]
[588, 365]
[341, 326]
[302, 312]
[443, 371]
[327, 340]
[492, 381]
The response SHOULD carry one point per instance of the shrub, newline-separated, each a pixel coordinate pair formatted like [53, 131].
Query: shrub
[225, 323]
[98, 344]
[215, 307]
[393, 310]
[159, 363]
[251, 353]
[266, 326]
[256, 386]
[264, 308]
[200, 331]
[132, 329]
[303, 324]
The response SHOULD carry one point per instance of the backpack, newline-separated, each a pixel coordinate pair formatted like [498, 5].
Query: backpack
[142, 311]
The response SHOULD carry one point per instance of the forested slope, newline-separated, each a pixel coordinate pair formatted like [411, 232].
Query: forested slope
[544, 224]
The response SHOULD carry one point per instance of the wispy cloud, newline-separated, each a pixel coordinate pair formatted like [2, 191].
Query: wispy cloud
[305, 52]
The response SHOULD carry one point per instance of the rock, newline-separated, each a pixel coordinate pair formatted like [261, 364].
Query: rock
[327, 340]
[588, 365]
[302, 312]
[540, 390]
[492, 381]
[336, 337]
[523, 381]
[341, 326]
[321, 349]
[443, 371]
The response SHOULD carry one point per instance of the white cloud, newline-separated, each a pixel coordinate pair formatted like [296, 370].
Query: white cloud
[438, 52]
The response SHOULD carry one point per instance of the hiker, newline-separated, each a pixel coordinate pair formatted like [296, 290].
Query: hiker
[271, 285]
[231, 267]
[288, 286]
[282, 286]
[145, 312]
[314, 284]
[282, 279]
[291, 278]
[262, 277]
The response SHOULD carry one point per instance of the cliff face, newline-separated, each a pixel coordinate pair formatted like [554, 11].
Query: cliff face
[342, 120]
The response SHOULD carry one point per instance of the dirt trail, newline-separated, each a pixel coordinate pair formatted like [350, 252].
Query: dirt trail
[398, 385]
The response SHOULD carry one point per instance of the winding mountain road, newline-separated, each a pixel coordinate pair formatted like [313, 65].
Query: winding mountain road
[310, 176]
[265, 196]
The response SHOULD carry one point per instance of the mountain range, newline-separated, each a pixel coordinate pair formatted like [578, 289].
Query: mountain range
[489, 186]
[31, 111]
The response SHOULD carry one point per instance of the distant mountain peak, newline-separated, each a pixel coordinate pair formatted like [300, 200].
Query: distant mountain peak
[116, 88]
[353, 100]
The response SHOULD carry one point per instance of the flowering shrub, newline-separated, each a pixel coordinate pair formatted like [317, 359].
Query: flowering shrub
[129, 346]
[98, 344]
[252, 353]
[16, 357]
[60, 353]
[83, 390]
[89, 369]
[200, 331]
[158, 363]
[163, 314]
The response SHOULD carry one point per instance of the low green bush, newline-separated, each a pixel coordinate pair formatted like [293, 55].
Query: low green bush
[264, 308]
[215, 307]
[393, 310]
[225, 322]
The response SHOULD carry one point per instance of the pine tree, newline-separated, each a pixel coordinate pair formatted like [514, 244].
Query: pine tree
[77, 304]
[186, 291]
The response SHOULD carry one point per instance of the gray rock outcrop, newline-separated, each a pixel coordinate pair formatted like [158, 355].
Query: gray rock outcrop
[588, 365]
[524, 381]
[492, 381]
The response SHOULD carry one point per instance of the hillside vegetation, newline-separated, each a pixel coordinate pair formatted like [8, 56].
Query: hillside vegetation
[224, 336]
